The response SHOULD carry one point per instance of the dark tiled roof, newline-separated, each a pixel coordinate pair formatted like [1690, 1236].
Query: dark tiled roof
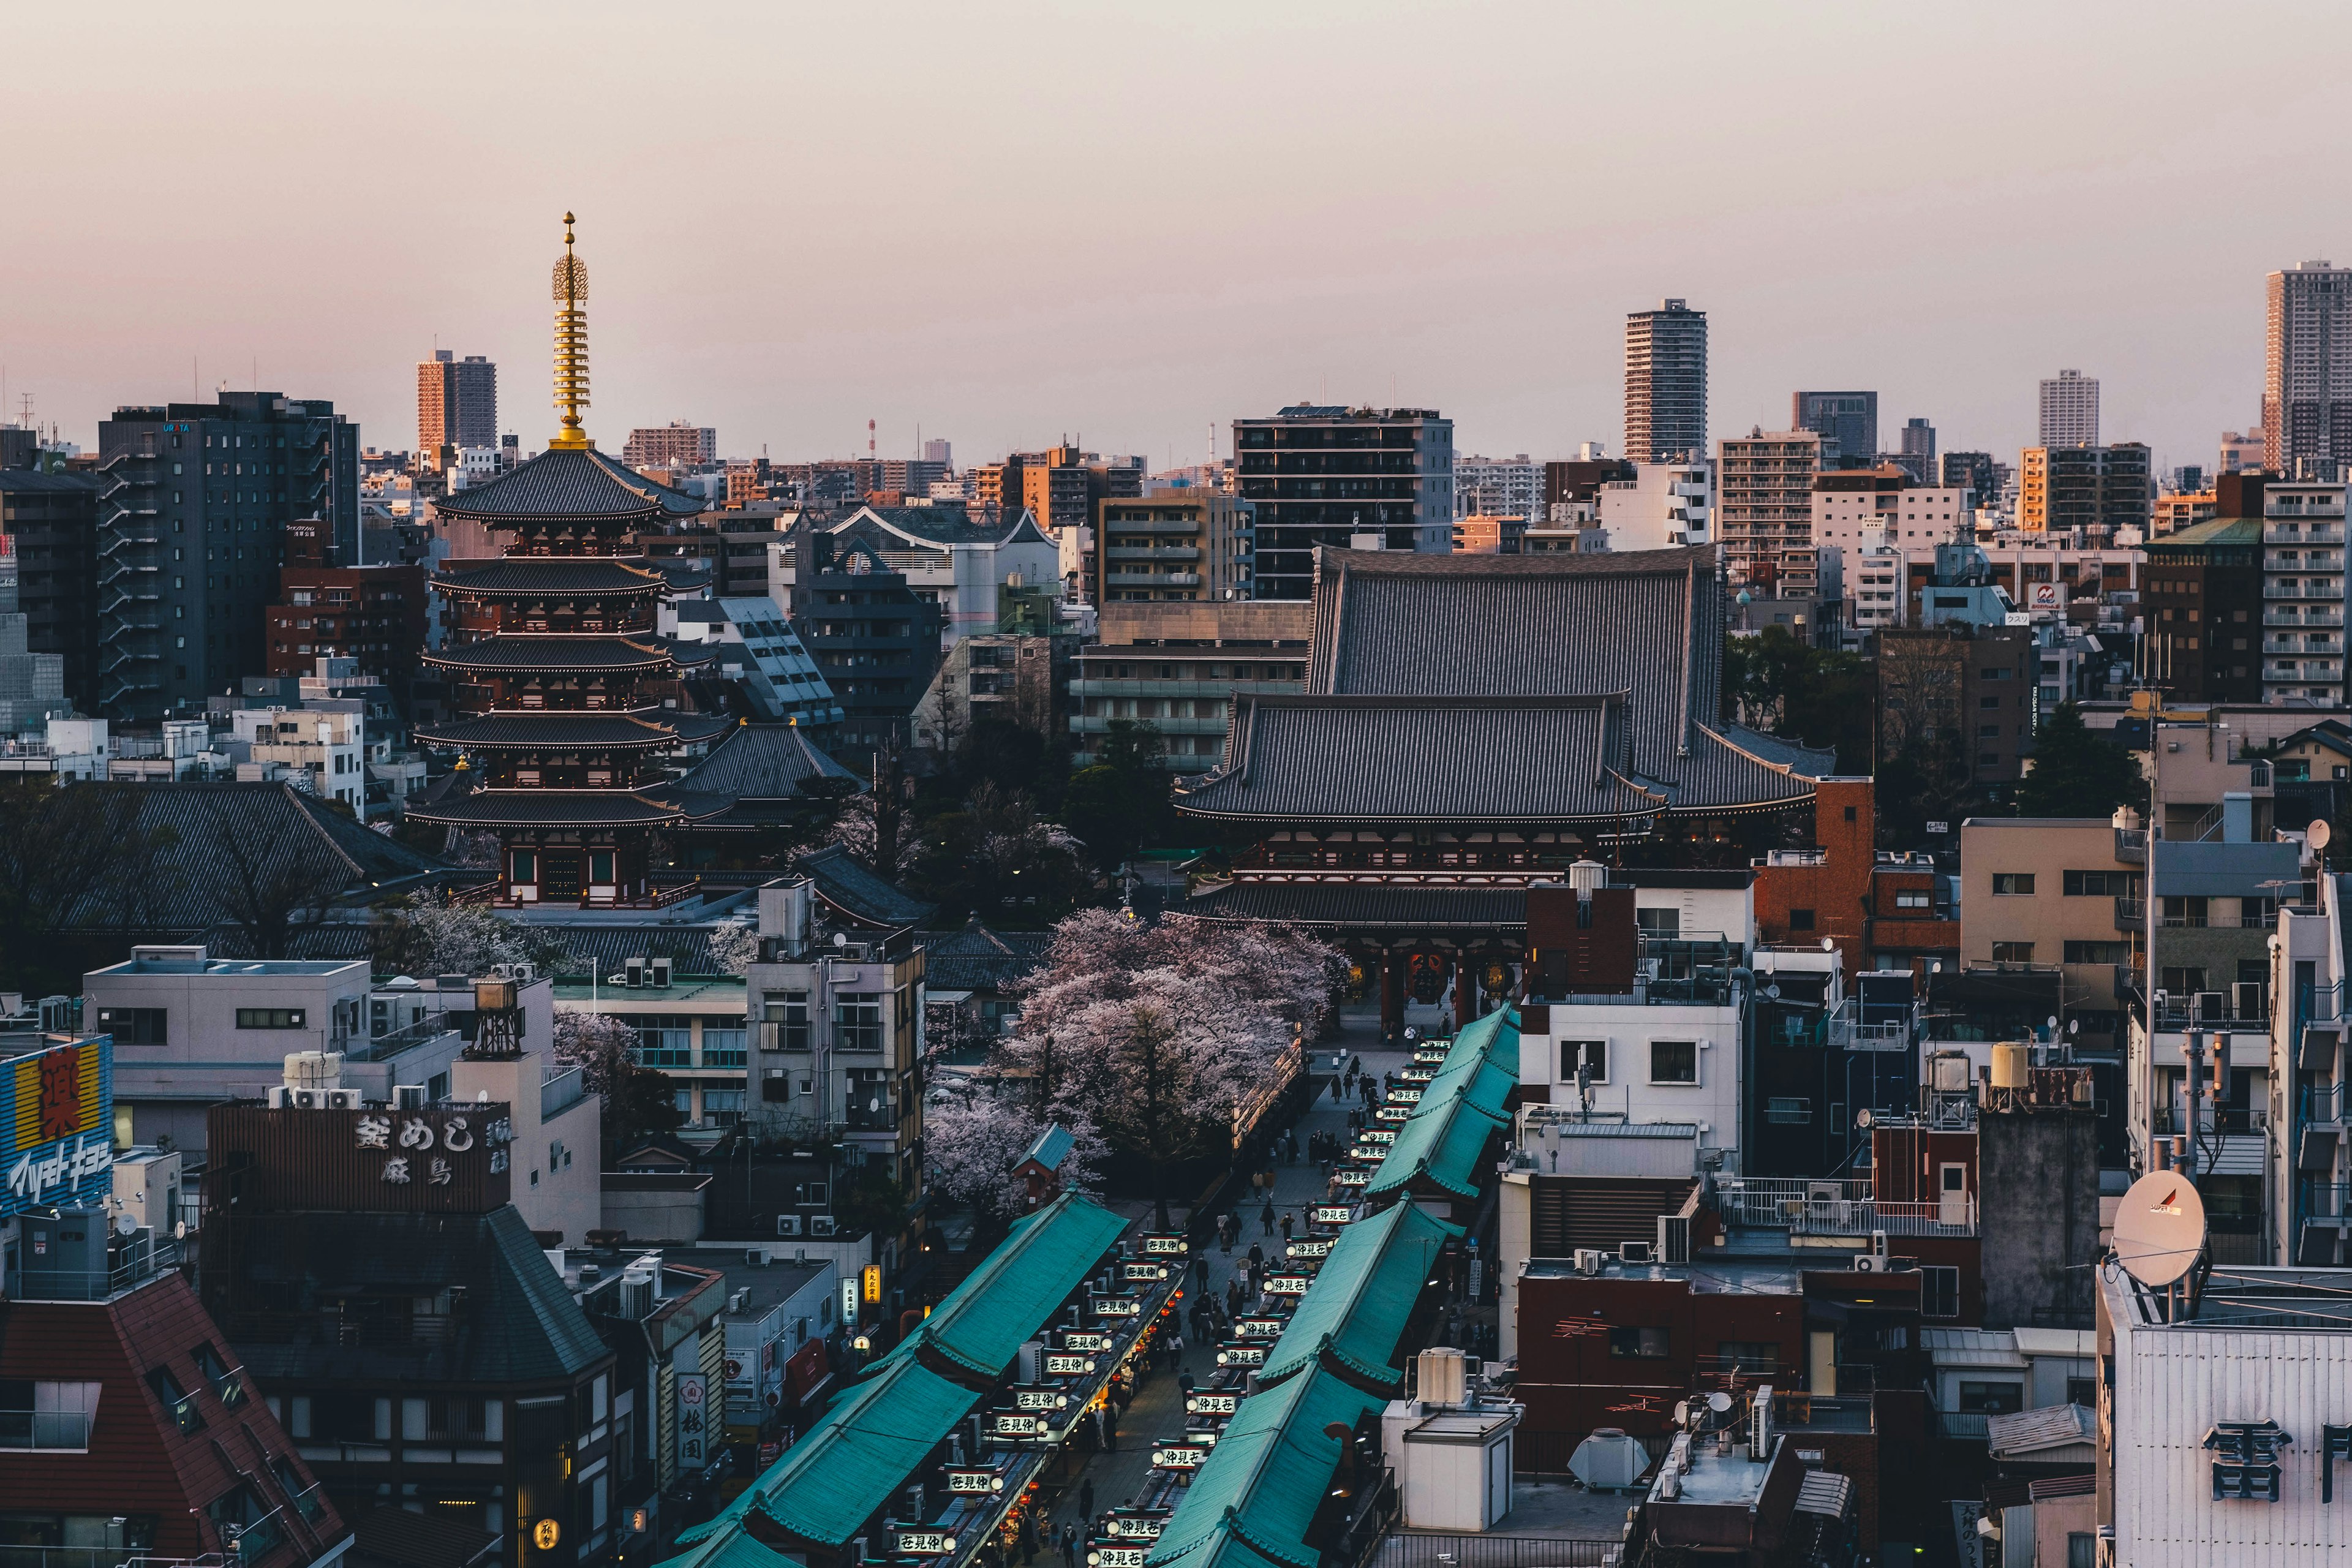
[549, 727]
[519, 1324]
[579, 574]
[221, 834]
[545, 808]
[563, 652]
[758, 761]
[563, 484]
[1361, 904]
[687, 947]
[979, 959]
[1461, 758]
[857, 891]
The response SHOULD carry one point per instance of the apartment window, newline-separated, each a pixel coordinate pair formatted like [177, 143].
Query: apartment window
[788, 1020]
[722, 1107]
[872, 1099]
[1758, 1357]
[1673, 1061]
[723, 1043]
[1800, 919]
[1939, 1292]
[857, 1021]
[2082, 1549]
[1788, 1111]
[2095, 885]
[270, 1018]
[1915, 901]
[2012, 884]
[1592, 1054]
[1638, 1345]
[1659, 923]
[2012, 952]
[1991, 1398]
[135, 1026]
[56, 1416]
[663, 1039]
[179, 1405]
[2098, 953]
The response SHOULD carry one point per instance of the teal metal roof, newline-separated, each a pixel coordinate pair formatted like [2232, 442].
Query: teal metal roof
[1444, 1139]
[1266, 1477]
[1355, 1312]
[982, 1323]
[1050, 1148]
[852, 1462]
[728, 1549]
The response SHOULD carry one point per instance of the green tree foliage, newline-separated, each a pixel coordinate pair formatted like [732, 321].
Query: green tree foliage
[2077, 772]
[1123, 803]
[1787, 687]
[70, 854]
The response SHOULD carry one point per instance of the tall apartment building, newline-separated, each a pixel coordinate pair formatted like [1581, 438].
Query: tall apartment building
[940, 452]
[681, 443]
[375, 614]
[1498, 487]
[1975, 471]
[192, 531]
[2069, 410]
[1665, 384]
[2074, 487]
[1178, 544]
[49, 523]
[1764, 495]
[2306, 413]
[1324, 475]
[1179, 667]
[456, 406]
[1861, 509]
[1847, 423]
[2202, 596]
[2303, 593]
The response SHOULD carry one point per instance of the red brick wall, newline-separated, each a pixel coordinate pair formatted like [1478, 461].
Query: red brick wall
[1570, 1382]
[1837, 890]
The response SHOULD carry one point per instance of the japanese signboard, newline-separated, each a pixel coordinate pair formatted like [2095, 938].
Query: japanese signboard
[1105, 1555]
[1405, 1094]
[1378, 1134]
[1242, 1355]
[56, 1125]
[1085, 1340]
[1260, 1328]
[1211, 1404]
[1288, 1284]
[925, 1543]
[1331, 1213]
[973, 1483]
[1180, 1455]
[693, 1421]
[1163, 1246]
[1393, 1113]
[1138, 1526]
[1352, 1178]
[1005, 1424]
[1039, 1399]
[1067, 1363]
[1313, 1246]
[444, 1159]
[1144, 1271]
[1116, 1306]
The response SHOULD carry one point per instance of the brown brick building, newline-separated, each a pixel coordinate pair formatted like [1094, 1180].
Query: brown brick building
[372, 614]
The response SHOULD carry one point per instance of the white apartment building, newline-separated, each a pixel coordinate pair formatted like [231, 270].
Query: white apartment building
[2303, 593]
[1498, 486]
[2069, 410]
[1866, 518]
[1764, 495]
[327, 750]
[1663, 504]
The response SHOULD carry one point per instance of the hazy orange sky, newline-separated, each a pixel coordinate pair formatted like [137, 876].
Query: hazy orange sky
[1008, 222]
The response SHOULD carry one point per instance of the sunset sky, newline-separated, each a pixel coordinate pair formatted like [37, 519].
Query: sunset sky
[1125, 223]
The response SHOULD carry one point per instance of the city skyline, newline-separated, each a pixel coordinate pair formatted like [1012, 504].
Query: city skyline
[789, 323]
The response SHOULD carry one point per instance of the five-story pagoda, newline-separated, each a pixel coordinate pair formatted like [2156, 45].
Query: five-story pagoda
[570, 696]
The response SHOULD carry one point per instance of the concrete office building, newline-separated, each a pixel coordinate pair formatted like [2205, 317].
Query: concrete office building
[191, 529]
[1345, 478]
[1662, 505]
[680, 443]
[1764, 495]
[1665, 384]
[457, 407]
[2069, 410]
[1847, 423]
[1498, 487]
[2307, 370]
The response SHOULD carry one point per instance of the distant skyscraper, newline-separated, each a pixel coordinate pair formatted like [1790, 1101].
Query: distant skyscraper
[1764, 495]
[1849, 420]
[2069, 410]
[1665, 384]
[1385, 472]
[1918, 458]
[2308, 369]
[457, 404]
[940, 452]
[2242, 449]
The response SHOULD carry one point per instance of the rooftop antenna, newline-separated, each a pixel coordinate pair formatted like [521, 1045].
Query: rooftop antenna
[869, 441]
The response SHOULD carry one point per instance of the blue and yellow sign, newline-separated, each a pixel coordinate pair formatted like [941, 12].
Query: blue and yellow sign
[56, 1125]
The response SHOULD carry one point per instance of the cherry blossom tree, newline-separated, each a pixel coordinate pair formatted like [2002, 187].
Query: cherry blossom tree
[600, 1045]
[426, 938]
[734, 947]
[975, 1134]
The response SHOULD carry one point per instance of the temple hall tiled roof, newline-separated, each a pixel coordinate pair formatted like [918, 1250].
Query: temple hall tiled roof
[757, 763]
[558, 651]
[549, 727]
[573, 574]
[857, 892]
[1365, 904]
[496, 808]
[569, 484]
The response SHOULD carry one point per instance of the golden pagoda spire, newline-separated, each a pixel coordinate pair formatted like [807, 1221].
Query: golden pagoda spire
[570, 347]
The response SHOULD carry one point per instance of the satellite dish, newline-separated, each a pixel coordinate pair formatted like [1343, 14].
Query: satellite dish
[2318, 834]
[1863, 1118]
[124, 1225]
[1682, 1411]
[1829, 944]
[2160, 1227]
[1718, 1402]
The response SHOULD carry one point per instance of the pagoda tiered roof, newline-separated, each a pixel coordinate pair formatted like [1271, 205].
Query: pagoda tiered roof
[566, 484]
[590, 654]
[578, 576]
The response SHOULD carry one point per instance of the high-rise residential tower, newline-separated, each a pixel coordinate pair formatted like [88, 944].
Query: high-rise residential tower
[2307, 370]
[1320, 475]
[191, 531]
[2069, 410]
[1764, 495]
[1665, 384]
[1846, 421]
[456, 406]
[680, 444]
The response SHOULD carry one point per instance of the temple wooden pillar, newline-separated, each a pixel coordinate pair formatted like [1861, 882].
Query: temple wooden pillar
[1391, 996]
[1465, 989]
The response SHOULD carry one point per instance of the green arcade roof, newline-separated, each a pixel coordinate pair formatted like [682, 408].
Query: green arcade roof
[1352, 1317]
[980, 1328]
[1266, 1477]
[1442, 1144]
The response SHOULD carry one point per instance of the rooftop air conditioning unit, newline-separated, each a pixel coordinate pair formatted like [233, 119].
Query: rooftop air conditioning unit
[821, 1225]
[660, 968]
[1590, 1260]
[633, 971]
[340, 1098]
[788, 1224]
[1634, 1252]
[1673, 1239]
[1869, 1263]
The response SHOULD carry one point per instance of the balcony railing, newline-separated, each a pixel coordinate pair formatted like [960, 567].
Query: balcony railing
[2322, 590]
[2321, 1102]
[34, 1429]
[2131, 914]
[1847, 1031]
[2131, 844]
[1964, 1426]
[2323, 620]
[258, 1539]
[1836, 1208]
[2210, 1010]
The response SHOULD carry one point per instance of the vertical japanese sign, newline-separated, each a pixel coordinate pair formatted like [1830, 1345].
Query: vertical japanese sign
[56, 1125]
[693, 1421]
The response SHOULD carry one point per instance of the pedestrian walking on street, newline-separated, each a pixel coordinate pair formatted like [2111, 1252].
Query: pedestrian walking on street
[1184, 1383]
[1266, 1217]
[1234, 1295]
[1256, 1254]
[1069, 1546]
[1028, 1538]
[1199, 1273]
[1086, 1501]
[1286, 1224]
[1336, 1091]
[1110, 1428]
[1225, 1231]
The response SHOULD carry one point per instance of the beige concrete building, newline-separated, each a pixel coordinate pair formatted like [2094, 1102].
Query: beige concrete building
[1177, 667]
[2062, 894]
[1764, 495]
[1178, 545]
